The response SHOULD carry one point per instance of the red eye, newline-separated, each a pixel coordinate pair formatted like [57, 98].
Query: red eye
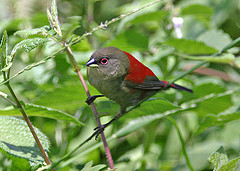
[104, 61]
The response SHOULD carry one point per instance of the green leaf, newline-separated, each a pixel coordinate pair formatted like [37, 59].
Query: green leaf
[89, 167]
[218, 158]
[220, 161]
[191, 47]
[215, 104]
[36, 110]
[149, 107]
[28, 45]
[136, 124]
[215, 38]
[68, 98]
[151, 16]
[53, 18]
[147, 112]
[197, 9]
[201, 12]
[152, 106]
[30, 32]
[6, 61]
[230, 166]
[214, 120]
[130, 40]
[202, 90]
[224, 58]
[16, 140]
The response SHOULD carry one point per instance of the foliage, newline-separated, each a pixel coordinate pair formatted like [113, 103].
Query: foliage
[201, 125]
[17, 141]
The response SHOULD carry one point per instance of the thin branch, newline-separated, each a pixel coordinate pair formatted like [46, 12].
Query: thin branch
[75, 65]
[107, 23]
[20, 107]
[33, 65]
[5, 96]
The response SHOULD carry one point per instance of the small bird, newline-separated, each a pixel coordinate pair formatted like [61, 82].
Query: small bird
[122, 78]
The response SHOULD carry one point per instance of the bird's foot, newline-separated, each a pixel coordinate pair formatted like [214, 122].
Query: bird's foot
[92, 98]
[98, 131]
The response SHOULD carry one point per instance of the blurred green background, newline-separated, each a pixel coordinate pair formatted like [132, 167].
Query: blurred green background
[150, 36]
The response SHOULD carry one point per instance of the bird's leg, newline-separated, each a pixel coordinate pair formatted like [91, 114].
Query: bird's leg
[100, 129]
[92, 98]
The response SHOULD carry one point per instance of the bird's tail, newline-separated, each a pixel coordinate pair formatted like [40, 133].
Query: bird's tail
[178, 87]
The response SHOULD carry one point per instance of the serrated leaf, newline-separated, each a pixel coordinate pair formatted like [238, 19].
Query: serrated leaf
[16, 140]
[28, 45]
[36, 110]
[130, 40]
[5, 60]
[54, 18]
[218, 158]
[191, 47]
[30, 32]
[225, 58]
[220, 161]
[230, 166]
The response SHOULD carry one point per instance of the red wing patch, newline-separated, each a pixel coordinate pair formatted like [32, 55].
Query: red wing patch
[137, 71]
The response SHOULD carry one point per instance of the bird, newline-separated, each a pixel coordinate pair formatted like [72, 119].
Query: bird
[119, 76]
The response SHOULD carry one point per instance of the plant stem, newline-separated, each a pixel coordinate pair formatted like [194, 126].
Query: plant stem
[5, 96]
[182, 142]
[20, 107]
[75, 65]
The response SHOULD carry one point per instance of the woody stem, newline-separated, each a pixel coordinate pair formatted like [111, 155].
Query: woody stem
[75, 65]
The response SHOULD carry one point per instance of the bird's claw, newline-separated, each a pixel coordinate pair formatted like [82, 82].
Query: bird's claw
[98, 131]
[92, 98]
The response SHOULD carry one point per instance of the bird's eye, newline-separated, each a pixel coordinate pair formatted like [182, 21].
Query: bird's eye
[104, 61]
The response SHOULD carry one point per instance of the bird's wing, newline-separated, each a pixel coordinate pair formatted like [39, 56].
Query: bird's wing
[150, 83]
[153, 83]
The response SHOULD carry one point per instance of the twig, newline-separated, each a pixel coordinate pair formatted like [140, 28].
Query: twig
[20, 107]
[6, 75]
[107, 23]
[33, 65]
[5, 96]
[75, 65]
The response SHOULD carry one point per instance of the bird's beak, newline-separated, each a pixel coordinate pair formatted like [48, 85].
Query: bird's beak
[91, 63]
